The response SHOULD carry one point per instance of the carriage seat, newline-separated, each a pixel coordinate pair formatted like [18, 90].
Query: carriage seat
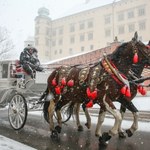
[19, 69]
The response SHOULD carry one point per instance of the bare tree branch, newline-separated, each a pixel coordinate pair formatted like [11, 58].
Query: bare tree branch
[6, 45]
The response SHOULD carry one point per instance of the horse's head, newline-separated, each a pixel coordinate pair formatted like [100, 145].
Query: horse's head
[131, 52]
[141, 51]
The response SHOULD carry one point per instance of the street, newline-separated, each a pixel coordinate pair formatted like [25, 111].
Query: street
[36, 134]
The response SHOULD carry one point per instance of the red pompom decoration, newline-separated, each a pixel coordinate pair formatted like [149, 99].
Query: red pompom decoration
[128, 93]
[135, 58]
[63, 81]
[89, 104]
[58, 90]
[143, 92]
[91, 95]
[70, 83]
[123, 89]
[54, 82]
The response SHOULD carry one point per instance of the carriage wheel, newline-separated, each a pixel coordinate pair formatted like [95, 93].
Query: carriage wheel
[64, 112]
[17, 111]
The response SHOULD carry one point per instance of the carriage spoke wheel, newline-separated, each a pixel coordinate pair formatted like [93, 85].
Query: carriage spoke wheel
[66, 114]
[17, 111]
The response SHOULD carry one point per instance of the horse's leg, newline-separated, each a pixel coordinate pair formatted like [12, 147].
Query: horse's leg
[76, 111]
[101, 118]
[135, 113]
[51, 108]
[120, 130]
[106, 136]
[87, 115]
[130, 106]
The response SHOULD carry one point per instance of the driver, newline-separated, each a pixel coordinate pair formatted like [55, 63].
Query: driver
[29, 60]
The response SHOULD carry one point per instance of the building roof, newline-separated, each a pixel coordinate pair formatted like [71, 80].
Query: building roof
[91, 4]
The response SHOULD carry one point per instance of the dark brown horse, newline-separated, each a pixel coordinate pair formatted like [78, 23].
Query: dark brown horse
[101, 83]
[135, 82]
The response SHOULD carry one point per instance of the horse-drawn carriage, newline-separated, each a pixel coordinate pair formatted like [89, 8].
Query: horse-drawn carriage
[19, 92]
[115, 77]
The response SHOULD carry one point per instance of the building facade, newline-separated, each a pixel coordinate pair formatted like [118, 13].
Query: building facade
[89, 28]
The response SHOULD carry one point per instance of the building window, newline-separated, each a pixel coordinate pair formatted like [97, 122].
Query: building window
[55, 52]
[72, 28]
[130, 14]
[60, 41]
[82, 37]
[121, 16]
[60, 31]
[82, 49]
[142, 25]
[82, 26]
[54, 32]
[141, 11]
[53, 43]
[90, 36]
[107, 33]
[91, 47]
[131, 27]
[72, 39]
[121, 30]
[90, 24]
[107, 19]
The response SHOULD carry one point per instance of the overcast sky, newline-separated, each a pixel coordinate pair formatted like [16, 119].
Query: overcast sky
[18, 16]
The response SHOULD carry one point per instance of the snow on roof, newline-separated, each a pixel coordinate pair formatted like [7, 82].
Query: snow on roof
[87, 6]
[68, 57]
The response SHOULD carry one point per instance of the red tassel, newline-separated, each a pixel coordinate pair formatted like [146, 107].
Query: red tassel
[89, 104]
[135, 58]
[63, 81]
[123, 89]
[140, 88]
[143, 92]
[70, 83]
[88, 92]
[54, 82]
[128, 93]
[94, 94]
[91, 95]
[58, 90]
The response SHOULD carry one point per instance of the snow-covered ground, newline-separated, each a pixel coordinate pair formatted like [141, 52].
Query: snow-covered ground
[9, 144]
[142, 103]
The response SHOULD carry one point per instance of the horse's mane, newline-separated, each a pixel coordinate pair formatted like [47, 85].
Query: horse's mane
[117, 53]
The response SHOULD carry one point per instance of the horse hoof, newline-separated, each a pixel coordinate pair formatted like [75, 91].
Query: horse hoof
[129, 133]
[87, 125]
[122, 135]
[58, 129]
[106, 136]
[80, 128]
[54, 134]
[102, 142]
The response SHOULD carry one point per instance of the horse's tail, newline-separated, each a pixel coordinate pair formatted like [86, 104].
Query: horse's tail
[45, 93]
[70, 109]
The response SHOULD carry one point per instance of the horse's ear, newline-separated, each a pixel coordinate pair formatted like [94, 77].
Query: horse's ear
[135, 38]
